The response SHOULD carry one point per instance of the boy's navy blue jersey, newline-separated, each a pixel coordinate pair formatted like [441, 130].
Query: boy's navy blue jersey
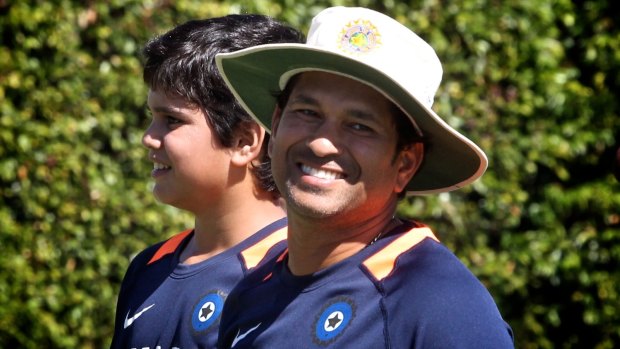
[166, 304]
[404, 291]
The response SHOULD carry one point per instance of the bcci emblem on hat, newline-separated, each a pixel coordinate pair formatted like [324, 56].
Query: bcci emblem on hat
[359, 36]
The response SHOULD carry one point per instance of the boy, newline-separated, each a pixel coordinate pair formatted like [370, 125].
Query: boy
[208, 158]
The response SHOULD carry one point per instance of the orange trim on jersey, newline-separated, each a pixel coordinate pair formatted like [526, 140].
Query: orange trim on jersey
[282, 255]
[381, 264]
[280, 259]
[267, 277]
[253, 255]
[169, 246]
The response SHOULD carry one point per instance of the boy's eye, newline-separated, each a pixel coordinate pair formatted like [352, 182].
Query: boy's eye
[172, 120]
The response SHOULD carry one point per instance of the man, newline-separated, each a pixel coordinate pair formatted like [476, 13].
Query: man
[352, 131]
[208, 159]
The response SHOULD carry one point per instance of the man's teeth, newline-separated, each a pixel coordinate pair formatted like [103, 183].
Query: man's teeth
[320, 173]
[159, 166]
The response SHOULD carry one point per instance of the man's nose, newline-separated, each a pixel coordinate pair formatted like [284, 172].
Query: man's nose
[325, 141]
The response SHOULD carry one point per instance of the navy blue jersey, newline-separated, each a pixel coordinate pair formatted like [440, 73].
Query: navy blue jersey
[404, 291]
[166, 304]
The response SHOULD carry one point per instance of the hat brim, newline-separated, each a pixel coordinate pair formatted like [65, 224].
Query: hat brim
[451, 161]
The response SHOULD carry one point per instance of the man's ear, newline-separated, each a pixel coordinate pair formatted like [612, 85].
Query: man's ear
[275, 122]
[247, 144]
[408, 163]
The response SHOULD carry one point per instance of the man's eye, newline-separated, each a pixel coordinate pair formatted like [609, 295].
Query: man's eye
[361, 127]
[307, 112]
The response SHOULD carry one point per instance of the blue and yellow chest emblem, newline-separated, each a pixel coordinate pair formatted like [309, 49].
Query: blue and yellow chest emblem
[332, 320]
[359, 36]
[207, 311]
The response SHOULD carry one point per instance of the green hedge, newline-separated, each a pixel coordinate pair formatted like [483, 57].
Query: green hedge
[535, 84]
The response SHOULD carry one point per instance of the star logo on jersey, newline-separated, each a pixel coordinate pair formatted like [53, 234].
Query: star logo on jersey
[332, 320]
[207, 311]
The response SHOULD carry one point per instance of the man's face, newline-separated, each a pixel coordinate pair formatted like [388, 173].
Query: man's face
[333, 150]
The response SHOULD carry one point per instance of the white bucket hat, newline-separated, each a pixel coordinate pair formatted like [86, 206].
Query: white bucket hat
[374, 49]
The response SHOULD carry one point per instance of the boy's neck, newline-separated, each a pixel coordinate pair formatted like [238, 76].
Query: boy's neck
[217, 230]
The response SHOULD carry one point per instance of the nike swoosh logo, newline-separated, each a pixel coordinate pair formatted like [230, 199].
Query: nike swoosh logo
[239, 336]
[129, 321]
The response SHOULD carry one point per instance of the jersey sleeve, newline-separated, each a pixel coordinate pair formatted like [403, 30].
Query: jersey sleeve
[136, 268]
[137, 264]
[447, 306]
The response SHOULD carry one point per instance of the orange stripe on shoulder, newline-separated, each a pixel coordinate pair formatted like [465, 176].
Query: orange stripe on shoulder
[254, 254]
[282, 255]
[169, 246]
[381, 264]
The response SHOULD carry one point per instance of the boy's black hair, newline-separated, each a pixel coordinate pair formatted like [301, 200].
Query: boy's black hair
[181, 63]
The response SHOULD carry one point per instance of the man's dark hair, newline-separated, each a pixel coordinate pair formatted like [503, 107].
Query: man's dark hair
[181, 63]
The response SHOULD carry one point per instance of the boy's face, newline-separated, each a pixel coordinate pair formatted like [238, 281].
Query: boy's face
[333, 150]
[190, 166]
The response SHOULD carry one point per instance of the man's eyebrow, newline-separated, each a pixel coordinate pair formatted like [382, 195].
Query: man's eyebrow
[357, 113]
[300, 98]
[360, 114]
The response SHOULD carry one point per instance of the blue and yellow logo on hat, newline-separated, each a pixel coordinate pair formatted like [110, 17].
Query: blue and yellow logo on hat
[359, 36]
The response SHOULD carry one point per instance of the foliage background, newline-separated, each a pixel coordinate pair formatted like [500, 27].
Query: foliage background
[535, 83]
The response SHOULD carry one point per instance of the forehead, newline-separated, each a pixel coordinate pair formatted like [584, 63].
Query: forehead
[160, 98]
[323, 83]
[326, 88]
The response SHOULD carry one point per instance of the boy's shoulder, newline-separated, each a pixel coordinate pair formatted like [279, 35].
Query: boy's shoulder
[266, 243]
[159, 251]
[165, 248]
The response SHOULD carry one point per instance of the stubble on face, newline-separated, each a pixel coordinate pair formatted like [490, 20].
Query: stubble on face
[364, 159]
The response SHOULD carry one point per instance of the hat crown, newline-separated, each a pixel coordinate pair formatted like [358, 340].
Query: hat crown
[381, 42]
[374, 49]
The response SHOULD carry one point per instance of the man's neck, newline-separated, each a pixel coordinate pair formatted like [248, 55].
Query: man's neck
[314, 246]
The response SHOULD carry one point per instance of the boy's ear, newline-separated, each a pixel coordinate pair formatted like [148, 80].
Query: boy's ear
[247, 145]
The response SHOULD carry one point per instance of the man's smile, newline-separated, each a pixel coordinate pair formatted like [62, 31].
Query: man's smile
[321, 173]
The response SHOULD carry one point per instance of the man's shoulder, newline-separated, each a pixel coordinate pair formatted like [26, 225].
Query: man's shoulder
[429, 287]
[415, 260]
[411, 243]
